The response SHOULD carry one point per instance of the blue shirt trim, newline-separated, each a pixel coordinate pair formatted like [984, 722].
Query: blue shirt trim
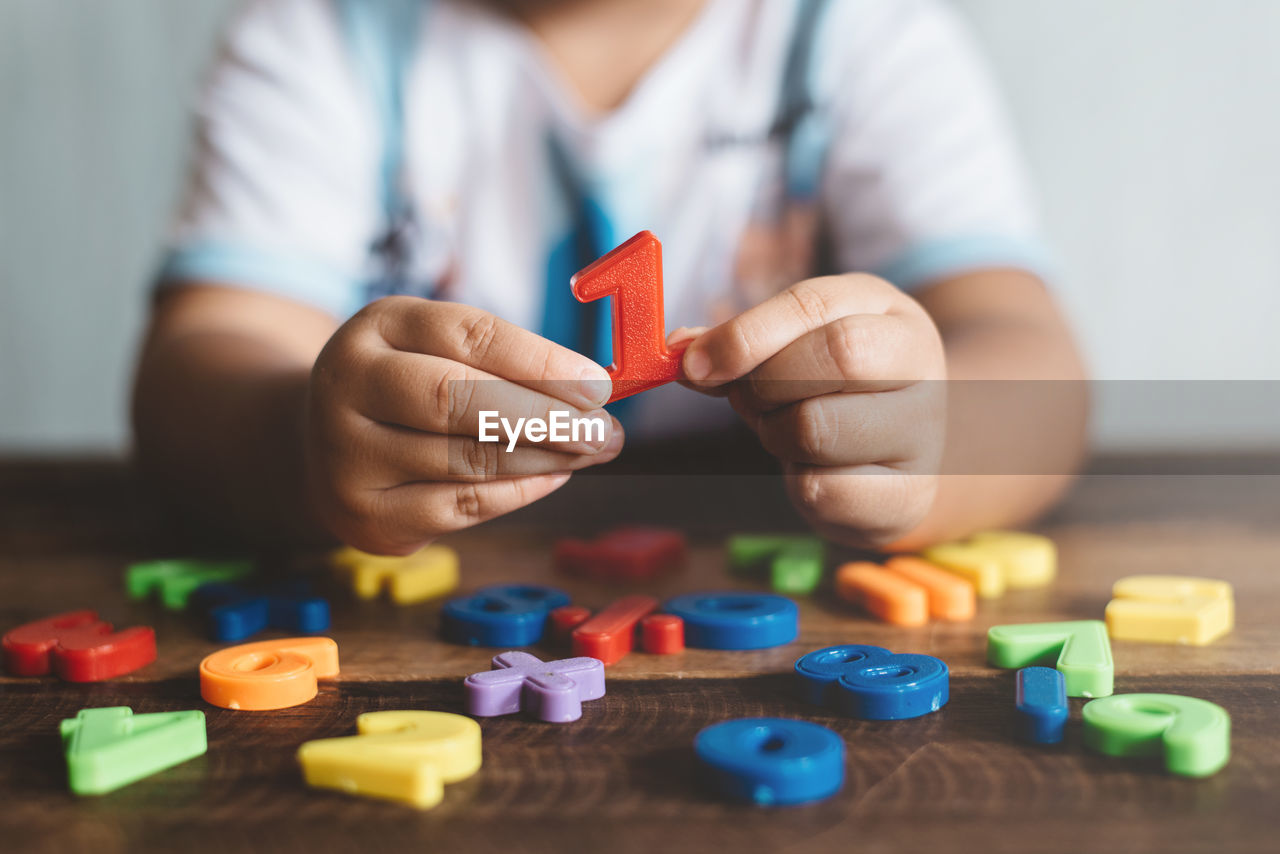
[383, 36]
[295, 276]
[929, 261]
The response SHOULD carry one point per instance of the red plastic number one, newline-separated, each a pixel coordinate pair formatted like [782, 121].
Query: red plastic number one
[78, 647]
[632, 275]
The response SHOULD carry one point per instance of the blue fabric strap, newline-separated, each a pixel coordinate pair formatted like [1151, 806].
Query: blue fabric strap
[383, 36]
[799, 121]
[590, 234]
[804, 139]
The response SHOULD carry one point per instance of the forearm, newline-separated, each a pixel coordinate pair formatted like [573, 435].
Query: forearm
[218, 417]
[1017, 412]
[219, 435]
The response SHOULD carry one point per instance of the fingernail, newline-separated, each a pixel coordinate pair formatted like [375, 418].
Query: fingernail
[697, 365]
[595, 444]
[595, 385]
[684, 335]
[615, 441]
[556, 479]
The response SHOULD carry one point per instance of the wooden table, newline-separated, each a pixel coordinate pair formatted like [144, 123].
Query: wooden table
[623, 778]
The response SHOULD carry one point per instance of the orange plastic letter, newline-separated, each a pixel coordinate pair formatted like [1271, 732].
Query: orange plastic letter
[950, 596]
[272, 674]
[887, 595]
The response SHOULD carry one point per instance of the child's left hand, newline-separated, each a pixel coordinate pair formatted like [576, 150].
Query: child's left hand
[841, 377]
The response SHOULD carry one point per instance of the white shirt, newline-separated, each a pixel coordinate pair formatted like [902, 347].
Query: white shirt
[917, 174]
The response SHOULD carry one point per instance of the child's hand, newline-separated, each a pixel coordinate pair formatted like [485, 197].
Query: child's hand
[840, 377]
[393, 412]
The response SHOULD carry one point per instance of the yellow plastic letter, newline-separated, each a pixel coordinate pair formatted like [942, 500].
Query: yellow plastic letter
[994, 560]
[404, 756]
[425, 574]
[1170, 609]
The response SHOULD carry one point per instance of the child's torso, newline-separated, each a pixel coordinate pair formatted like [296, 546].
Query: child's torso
[501, 161]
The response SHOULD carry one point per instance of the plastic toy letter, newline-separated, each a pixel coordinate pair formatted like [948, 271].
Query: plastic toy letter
[632, 275]
[662, 634]
[552, 691]
[795, 562]
[1040, 703]
[772, 761]
[1194, 735]
[272, 674]
[994, 560]
[1170, 609]
[871, 683]
[885, 595]
[1079, 649]
[404, 756]
[565, 619]
[504, 615]
[950, 596]
[736, 620]
[425, 574]
[235, 613]
[623, 554]
[78, 647]
[610, 635]
[112, 747]
[176, 580]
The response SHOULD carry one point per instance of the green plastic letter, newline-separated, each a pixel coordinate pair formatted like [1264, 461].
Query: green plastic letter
[795, 562]
[177, 579]
[1079, 649]
[1194, 735]
[112, 747]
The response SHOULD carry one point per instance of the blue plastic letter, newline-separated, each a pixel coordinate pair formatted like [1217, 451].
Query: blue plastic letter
[871, 683]
[773, 761]
[237, 612]
[507, 615]
[1041, 703]
[736, 620]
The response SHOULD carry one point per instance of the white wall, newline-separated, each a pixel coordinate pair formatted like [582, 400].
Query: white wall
[1153, 127]
[92, 131]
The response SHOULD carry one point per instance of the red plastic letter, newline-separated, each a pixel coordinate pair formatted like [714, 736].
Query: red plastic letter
[78, 647]
[632, 275]
[610, 634]
[624, 554]
[565, 619]
[662, 634]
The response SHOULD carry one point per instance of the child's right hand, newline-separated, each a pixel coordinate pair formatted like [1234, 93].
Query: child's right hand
[392, 421]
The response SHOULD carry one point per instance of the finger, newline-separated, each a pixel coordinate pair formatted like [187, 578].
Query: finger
[740, 345]
[426, 510]
[408, 456]
[855, 353]
[435, 395]
[856, 429]
[861, 506]
[681, 338]
[684, 335]
[473, 337]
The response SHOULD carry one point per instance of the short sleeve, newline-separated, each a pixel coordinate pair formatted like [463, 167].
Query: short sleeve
[923, 177]
[283, 193]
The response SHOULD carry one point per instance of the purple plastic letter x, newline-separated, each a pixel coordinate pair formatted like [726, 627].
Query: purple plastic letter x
[549, 690]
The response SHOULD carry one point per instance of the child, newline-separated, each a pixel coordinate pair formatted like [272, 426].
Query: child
[462, 158]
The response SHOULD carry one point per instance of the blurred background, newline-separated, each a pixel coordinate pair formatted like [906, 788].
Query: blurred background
[1151, 126]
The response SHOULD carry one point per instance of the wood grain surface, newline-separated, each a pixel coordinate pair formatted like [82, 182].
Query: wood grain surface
[623, 778]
